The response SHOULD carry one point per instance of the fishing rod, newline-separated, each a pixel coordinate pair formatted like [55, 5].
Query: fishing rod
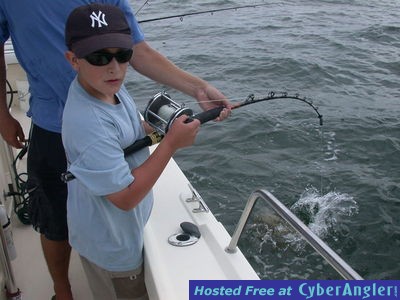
[279, 95]
[211, 11]
[162, 111]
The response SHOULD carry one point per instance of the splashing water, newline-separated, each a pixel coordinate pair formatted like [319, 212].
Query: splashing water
[322, 213]
[286, 251]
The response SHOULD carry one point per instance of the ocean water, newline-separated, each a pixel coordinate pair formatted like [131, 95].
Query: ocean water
[343, 178]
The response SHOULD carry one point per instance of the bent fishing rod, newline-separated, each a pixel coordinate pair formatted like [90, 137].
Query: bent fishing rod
[162, 111]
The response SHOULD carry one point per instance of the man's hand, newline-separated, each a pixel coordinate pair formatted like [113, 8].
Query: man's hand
[210, 97]
[11, 131]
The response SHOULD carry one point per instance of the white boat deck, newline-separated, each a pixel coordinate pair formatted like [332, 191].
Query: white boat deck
[31, 275]
[169, 268]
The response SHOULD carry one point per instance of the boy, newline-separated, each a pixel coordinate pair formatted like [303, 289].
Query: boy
[111, 200]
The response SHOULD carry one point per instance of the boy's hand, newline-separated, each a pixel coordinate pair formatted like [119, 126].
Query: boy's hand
[182, 134]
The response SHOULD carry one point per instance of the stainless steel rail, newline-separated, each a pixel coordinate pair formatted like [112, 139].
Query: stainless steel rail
[323, 249]
[11, 288]
[12, 291]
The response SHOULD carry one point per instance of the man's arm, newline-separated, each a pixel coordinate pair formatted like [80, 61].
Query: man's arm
[154, 65]
[10, 129]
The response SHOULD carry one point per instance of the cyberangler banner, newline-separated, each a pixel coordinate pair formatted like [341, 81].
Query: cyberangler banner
[294, 289]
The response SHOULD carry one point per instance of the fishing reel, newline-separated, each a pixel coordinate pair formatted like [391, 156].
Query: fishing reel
[162, 111]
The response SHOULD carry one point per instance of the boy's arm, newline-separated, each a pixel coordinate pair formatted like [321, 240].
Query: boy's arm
[180, 135]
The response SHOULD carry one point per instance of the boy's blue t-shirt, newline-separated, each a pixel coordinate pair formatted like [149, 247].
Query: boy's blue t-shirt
[94, 134]
[37, 32]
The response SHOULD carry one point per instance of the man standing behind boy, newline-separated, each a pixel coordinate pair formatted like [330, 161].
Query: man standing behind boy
[37, 30]
[110, 201]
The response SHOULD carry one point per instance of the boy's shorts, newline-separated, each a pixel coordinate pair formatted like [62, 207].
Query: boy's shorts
[47, 193]
[106, 285]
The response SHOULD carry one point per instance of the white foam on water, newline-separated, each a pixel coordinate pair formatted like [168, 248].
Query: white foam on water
[323, 212]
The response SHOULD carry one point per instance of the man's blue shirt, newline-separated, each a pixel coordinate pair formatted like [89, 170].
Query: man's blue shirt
[37, 32]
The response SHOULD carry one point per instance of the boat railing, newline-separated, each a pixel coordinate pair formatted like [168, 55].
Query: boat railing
[312, 239]
[6, 163]
[12, 291]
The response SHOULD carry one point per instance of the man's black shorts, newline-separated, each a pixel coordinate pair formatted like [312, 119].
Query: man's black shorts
[48, 194]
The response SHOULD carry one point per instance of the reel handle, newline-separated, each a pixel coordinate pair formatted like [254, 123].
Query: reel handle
[67, 176]
[208, 115]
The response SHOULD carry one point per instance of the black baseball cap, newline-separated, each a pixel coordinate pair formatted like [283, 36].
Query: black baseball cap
[96, 26]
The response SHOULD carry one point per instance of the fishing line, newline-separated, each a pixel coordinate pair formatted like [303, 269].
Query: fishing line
[162, 111]
[140, 8]
[322, 155]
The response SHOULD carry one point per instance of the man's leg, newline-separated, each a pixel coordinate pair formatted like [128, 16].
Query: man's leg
[48, 203]
[57, 255]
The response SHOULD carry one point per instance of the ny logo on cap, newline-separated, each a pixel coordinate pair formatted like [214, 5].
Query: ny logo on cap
[99, 18]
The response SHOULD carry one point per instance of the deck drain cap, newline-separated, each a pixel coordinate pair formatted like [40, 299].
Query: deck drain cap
[182, 239]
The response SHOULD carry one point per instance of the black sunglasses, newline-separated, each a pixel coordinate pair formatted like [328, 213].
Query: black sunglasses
[102, 58]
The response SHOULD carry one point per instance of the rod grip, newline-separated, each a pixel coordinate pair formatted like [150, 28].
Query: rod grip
[138, 145]
[208, 115]
[151, 139]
